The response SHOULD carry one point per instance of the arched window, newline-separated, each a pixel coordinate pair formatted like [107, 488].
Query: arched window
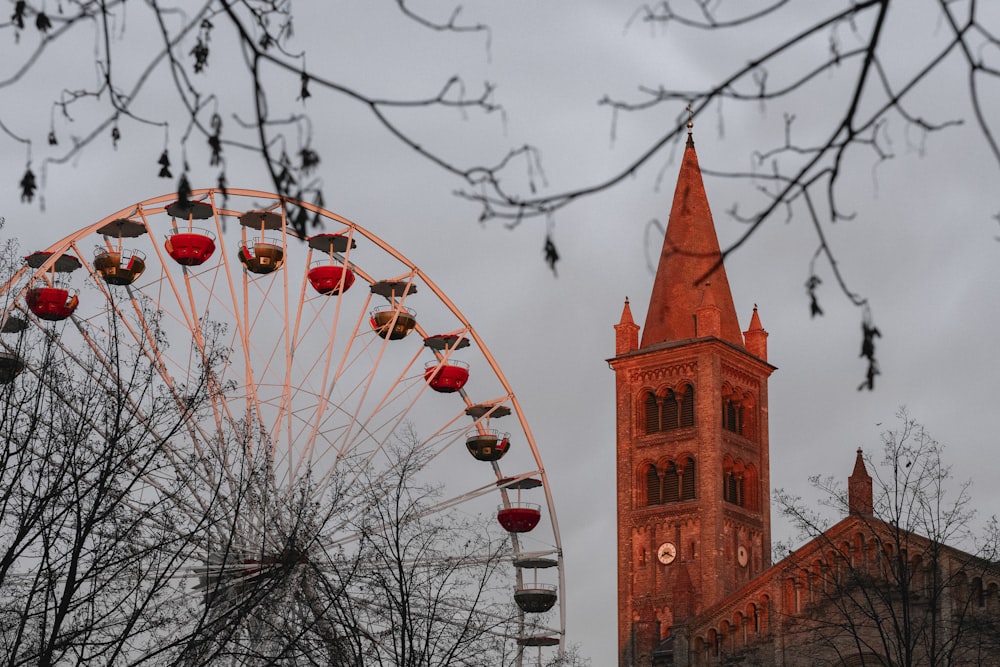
[732, 489]
[675, 409]
[737, 483]
[669, 414]
[671, 483]
[653, 494]
[732, 416]
[754, 618]
[651, 413]
[978, 592]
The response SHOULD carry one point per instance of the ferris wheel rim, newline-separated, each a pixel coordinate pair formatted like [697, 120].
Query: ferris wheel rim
[152, 205]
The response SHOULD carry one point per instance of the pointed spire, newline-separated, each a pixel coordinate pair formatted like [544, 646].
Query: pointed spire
[859, 489]
[755, 338]
[626, 332]
[690, 266]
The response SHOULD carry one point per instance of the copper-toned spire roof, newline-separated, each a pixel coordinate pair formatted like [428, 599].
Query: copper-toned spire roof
[690, 271]
[755, 338]
[626, 332]
[627, 315]
[859, 488]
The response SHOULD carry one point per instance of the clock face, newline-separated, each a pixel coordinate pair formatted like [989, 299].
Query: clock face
[666, 553]
[742, 556]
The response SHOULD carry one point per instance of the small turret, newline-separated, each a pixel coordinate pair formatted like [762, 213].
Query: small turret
[755, 338]
[859, 489]
[626, 332]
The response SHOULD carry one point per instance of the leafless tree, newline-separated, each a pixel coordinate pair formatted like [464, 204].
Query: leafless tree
[265, 102]
[914, 582]
[140, 524]
[141, 48]
[408, 602]
[87, 564]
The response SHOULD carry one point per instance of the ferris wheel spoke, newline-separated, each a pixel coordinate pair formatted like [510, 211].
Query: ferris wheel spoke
[325, 360]
[395, 393]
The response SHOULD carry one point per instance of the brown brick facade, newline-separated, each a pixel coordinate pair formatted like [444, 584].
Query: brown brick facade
[692, 448]
[696, 586]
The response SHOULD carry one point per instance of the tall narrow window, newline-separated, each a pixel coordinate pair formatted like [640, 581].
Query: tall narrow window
[671, 484]
[653, 496]
[669, 414]
[674, 410]
[733, 489]
[651, 414]
[732, 416]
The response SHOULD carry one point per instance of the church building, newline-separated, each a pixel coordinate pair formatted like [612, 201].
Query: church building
[696, 582]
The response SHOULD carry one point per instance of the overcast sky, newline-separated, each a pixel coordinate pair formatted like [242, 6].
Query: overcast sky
[922, 245]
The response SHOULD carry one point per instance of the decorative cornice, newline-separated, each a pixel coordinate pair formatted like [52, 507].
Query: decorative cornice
[741, 377]
[647, 376]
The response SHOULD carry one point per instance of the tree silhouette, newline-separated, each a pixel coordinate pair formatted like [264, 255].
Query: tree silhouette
[142, 523]
[211, 57]
[898, 588]
[227, 80]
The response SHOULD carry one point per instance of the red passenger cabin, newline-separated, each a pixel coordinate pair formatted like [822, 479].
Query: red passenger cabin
[330, 279]
[190, 248]
[446, 377]
[52, 303]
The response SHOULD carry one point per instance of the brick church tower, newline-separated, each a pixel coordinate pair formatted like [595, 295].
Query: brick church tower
[692, 445]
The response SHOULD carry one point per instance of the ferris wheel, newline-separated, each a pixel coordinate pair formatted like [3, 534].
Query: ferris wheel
[328, 449]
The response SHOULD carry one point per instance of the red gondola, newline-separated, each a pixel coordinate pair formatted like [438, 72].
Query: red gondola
[519, 517]
[190, 248]
[330, 279]
[52, 303]
[446, 377]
